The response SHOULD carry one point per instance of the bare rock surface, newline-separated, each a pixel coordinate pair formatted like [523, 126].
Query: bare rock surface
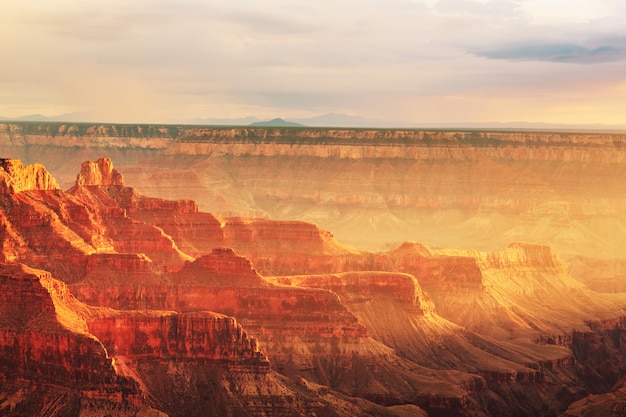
[276, 317]
[15, 177]
[98, 173]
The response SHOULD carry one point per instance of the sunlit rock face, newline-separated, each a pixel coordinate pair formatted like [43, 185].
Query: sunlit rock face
[58, 231]
[278, 315]
[98, 173]
[100, 187]
[45, 342]
[15, 177]
[61, 357]
[40, 224]
[204, 337]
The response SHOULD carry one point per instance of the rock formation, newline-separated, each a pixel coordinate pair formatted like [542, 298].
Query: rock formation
[45, 342]
[117, 274]
[100, 185]
[100, 173]
[373, 188]
[61, 357]
[187, 312]
[15, 177]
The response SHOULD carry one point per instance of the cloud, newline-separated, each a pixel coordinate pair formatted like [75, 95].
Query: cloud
[146, 59]
[266, 22]
[505, 9]
[558, 52]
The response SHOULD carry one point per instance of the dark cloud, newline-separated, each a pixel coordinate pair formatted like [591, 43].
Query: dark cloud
[558, 52]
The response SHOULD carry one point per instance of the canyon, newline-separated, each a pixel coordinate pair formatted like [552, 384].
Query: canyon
[276, 271]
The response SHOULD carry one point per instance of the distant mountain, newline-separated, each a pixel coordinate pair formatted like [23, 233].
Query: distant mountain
[66, 117]
[27, 118]
[278, 122]
[324, 120]
[340, 121]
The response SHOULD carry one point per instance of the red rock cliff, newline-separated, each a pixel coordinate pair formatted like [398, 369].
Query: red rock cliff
[101, 188]
[205, 337]
[15, 177]
[44, 337]
[98, 173]
[402, 287]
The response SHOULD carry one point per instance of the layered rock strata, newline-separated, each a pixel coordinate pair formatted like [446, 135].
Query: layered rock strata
[372, 187]
[445, 330]
[61, 357]
[45, 341]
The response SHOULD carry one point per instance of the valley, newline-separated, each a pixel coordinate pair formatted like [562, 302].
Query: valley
[180, 270]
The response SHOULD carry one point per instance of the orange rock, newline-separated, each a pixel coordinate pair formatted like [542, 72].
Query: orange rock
[15, 177]
[99, 173]
[44, 334]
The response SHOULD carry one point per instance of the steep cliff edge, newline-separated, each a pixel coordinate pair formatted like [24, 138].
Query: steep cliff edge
[203, 337]
[37, 307]
[100, 173]
[521, 291]
[45, 342]
[101, 187]
[63, 358]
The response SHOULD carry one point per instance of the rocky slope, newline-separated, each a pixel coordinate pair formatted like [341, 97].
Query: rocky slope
[302, 319]
[523, 290]
[46, 343]
[460, 332]
[15, 177]
[61, 357]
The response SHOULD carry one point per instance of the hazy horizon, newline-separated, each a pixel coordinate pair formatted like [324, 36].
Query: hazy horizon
[397, 63]
[336, 121]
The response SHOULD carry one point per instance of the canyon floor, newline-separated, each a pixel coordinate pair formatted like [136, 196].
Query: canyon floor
[299, 271]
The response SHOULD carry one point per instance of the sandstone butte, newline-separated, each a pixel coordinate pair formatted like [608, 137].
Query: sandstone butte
[118, 301]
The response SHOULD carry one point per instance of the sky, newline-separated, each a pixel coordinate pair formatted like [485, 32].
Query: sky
[404, 62]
